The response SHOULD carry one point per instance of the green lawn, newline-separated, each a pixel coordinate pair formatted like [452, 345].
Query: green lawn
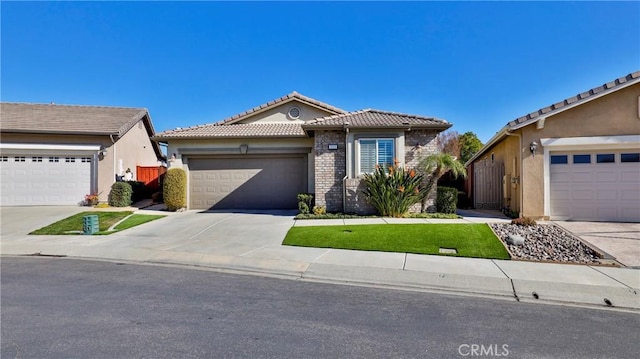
[136, 220]
[470, 240]
[73, 224]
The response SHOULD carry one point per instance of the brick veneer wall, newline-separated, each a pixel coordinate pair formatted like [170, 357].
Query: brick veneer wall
[330, 169]
[356, 201]
[418, 144]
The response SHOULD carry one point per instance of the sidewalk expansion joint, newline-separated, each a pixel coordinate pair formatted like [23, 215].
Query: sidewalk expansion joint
[404, 264]
[209, 226]
[606, 275]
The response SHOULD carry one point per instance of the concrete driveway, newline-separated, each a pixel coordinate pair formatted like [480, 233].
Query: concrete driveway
[620, 240]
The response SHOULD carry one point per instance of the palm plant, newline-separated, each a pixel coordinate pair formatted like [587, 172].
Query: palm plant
[435, 166]
[392, 193]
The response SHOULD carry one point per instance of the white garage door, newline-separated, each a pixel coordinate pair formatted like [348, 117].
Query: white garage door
[595, 185]
[29, 180]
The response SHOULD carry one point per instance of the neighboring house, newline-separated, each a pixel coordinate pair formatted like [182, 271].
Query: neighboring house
[56, 154]
[262, 158]
[578, 159]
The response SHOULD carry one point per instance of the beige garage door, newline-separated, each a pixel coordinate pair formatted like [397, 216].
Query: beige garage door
[595, 185]
[241, 182]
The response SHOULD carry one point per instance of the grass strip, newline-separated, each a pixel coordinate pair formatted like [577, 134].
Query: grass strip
[136, 220]
[469, 240]
[73, 224]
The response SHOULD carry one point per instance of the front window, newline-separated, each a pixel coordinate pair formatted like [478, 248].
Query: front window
[379, 151]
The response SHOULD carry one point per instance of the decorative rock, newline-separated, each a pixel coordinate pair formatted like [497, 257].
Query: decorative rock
[545, 242]
[515, 239]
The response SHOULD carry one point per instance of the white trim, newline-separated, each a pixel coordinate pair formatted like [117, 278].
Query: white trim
[46, 147]
[591, 143]
[579, 143]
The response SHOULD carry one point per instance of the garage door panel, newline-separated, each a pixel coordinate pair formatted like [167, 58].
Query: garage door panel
[632, 176]
[631, 195]
[269, 182]
[582, 195]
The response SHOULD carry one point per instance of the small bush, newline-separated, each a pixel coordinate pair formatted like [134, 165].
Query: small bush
[120, 194]
[524, 221]
[305, 202]
[447, 200]
[319, 210]
[174, 190]
[393, 193]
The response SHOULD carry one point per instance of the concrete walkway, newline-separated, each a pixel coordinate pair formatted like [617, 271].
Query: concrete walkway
[251, 243]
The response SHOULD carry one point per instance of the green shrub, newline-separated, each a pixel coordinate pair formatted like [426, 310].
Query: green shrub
[120, 194]
[319, 210]
[447, 200]
[524, 221]
[393, 193]
[305, 202]
[174, 189]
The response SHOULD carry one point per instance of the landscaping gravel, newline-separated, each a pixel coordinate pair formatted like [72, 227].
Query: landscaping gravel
[545, 242]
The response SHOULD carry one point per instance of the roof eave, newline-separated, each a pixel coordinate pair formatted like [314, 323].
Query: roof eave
[54, 132]
[208, 137]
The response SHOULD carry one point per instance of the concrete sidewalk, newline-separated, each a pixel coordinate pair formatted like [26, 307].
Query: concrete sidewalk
[251, 242]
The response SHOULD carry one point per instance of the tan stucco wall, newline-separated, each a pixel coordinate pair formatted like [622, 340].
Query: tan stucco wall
[134, 148]
[611, 115]
[279, 114]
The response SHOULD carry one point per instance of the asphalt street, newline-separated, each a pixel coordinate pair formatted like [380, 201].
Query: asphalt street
[65, 308]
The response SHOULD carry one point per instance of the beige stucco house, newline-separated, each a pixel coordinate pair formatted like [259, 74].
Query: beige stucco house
[578, 159]
[262, 158]
[56, 154]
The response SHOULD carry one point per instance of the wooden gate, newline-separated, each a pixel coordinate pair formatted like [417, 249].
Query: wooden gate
[151, 176]
[487, 184]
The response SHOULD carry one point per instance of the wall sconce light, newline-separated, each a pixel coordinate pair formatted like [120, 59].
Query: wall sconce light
[418, 146]
[332, 146]
[244, 149]
[533, 146]
[103, 151]
[173, 158]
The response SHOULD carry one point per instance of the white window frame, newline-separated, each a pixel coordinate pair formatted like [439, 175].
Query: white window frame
[376, 139]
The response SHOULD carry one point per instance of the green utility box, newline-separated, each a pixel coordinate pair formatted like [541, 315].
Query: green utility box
[90, 224]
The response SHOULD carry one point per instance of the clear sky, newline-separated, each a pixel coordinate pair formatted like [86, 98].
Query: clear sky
[475, 64]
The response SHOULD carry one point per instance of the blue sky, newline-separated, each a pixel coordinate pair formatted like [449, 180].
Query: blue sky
[475, 64]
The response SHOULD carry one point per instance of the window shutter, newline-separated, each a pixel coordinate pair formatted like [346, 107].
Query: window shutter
[367, 156]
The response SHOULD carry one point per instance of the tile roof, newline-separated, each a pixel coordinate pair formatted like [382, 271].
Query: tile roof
[582, 97]
[286, 98]
[370, 118]
[51, 118]
[237, 130]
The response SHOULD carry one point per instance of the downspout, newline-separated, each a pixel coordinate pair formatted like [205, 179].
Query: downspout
[347, 169]
[113, 145]
[521, 192]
